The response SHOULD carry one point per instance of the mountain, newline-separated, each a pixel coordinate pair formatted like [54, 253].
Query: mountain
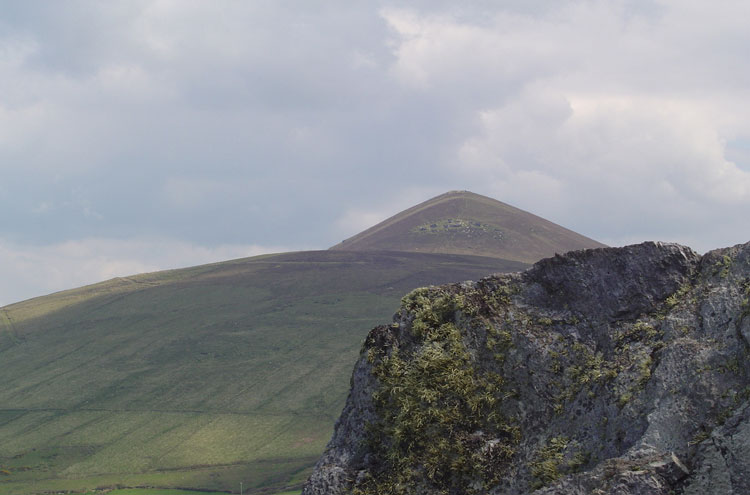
[617, 370]
[462, 222]
[201, 377]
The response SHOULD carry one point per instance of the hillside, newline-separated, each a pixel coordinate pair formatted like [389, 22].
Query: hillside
[619, 370]
[200, 377]
[207, 376]
[461, 222]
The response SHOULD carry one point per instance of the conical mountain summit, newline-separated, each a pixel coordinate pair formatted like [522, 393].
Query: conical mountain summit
[462, 222]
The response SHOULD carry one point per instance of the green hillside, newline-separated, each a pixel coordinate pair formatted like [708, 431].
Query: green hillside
[462, 222]
[196, 378]
[206, 377]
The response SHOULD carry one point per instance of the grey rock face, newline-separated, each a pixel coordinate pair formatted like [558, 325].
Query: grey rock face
[607, 371]
[333, 472]
[608, 284]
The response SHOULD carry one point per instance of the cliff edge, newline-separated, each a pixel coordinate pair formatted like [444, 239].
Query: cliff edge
[614, 370]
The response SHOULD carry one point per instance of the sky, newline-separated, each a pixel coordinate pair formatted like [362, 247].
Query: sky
[144, 135]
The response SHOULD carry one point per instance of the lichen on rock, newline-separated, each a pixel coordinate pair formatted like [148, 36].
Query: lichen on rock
[617, 370]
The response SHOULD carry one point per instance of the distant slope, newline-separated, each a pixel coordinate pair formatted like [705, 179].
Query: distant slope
[201, 377]
[461, 222]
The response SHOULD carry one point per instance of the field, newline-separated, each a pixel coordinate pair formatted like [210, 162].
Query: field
[199, 378]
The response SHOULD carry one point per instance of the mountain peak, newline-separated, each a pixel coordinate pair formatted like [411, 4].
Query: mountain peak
[463, 222]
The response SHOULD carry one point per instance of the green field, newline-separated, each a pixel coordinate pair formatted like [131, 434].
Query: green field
[162, 491]
[172, 491]
[197, 378]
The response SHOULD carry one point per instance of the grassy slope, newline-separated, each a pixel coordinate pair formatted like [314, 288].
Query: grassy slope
[196, 378]
[503, 231]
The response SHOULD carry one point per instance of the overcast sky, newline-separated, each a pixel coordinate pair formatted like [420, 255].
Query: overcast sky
[141, 135]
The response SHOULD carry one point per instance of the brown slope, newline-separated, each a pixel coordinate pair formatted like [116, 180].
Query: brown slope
[462, 222]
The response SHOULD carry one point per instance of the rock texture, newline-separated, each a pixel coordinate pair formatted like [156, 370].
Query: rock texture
[606, 371]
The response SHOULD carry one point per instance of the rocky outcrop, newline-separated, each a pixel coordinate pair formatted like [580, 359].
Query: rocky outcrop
[612, 371]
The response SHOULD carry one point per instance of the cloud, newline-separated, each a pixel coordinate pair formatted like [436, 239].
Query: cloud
[266, 123]
[595, 106]
[632, 160]
[437, 52]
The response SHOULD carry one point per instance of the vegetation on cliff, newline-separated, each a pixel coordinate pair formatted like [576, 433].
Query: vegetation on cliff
[602, 370]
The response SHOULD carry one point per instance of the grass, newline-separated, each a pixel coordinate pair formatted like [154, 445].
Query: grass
[197, 378]
[156, 491]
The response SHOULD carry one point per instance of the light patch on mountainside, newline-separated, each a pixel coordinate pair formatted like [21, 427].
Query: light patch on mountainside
[65, 265]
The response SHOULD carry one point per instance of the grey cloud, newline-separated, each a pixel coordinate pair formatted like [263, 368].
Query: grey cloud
[300, 106]
[257, 123]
